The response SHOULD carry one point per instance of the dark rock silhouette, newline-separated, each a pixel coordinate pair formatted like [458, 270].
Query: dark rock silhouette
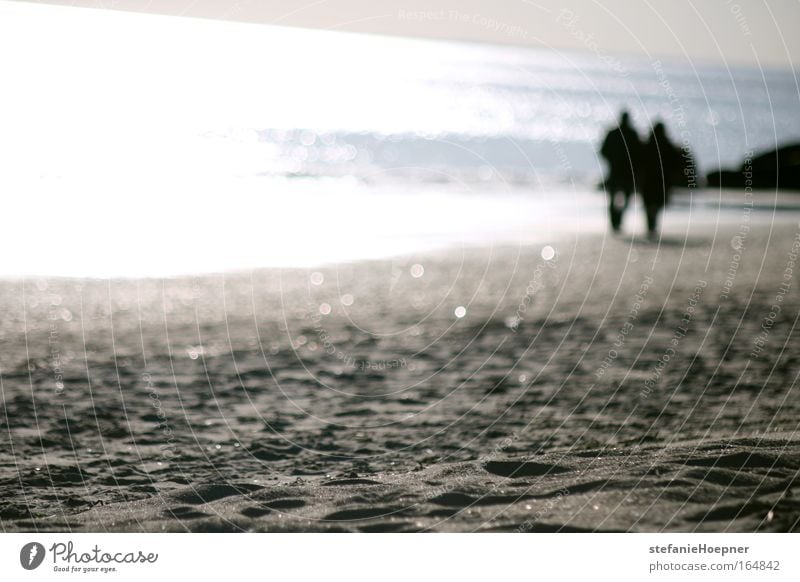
[778, 168]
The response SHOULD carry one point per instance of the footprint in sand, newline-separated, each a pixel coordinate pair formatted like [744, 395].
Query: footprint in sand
[181, 513]
[255, 511]
[516, 469]
[208, 493]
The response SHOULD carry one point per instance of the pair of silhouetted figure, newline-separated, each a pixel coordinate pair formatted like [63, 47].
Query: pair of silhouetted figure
[646, 167]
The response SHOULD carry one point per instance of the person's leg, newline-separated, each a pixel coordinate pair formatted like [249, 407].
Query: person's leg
[614, 214]
[652, 219]
[625, 198]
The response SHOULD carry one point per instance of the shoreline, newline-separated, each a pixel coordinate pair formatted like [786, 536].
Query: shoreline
[431, 220]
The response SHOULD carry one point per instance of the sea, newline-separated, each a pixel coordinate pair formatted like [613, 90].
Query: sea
[150, 146]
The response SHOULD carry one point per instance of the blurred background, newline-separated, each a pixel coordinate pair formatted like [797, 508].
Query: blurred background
[268, 135]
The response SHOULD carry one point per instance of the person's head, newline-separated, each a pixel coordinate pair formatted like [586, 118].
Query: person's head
[659, 129]
[624, 119]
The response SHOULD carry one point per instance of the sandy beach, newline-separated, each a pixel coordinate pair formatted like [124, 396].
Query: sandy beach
[593, 384]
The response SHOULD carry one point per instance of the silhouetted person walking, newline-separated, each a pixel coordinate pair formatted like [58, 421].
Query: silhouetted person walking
[622, 149]
[661, 160]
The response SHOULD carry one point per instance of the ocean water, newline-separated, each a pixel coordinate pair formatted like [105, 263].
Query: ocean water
[440, 112]
[215, 146]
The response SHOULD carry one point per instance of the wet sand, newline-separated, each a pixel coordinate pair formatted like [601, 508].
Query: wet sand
[619, 385]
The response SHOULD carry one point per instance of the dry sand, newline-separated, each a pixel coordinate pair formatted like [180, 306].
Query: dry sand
[619, 386]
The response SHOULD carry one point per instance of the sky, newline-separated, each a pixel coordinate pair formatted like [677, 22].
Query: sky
[754, 32]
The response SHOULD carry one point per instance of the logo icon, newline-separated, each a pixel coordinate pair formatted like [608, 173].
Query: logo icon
[31, 555]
